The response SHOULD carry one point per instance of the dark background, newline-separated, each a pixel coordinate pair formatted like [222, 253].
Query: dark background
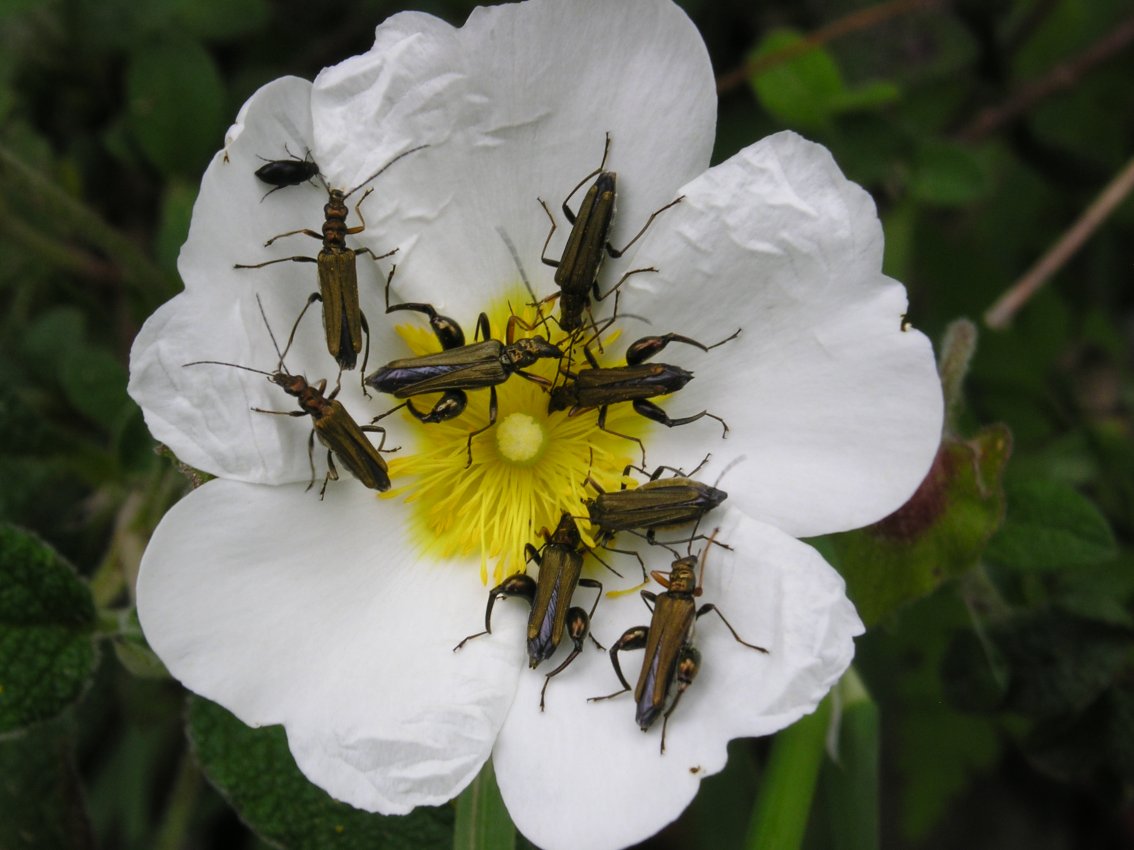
[983, 128]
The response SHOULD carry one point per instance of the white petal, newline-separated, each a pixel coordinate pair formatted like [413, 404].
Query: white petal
[582, 774]
[835, 409]
[317, 615]
[232, 218]
[203, 412]
[515, 106]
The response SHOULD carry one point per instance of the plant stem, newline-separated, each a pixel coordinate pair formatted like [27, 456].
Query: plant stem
[1001, 313]
[179, 807]
[849, 782]
[482, 820]
[787, 788]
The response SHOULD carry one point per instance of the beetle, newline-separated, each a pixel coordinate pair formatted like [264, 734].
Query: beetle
[658, 503]
[343, 320]
[636, 382]
[336, 429]
[577, 269]
[560, 567]
[281, 173]
[671, 660]
[458, 367]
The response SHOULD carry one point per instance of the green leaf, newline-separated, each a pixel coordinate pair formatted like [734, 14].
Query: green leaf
[95, 383]
[47, 619]
[870, 96]
[715, 816]
[221, 19]
[176, 211]
[1049, 526]
[1120, 731]
[974, 675]
[53, 335]
[938, 752]
[938, 534]
[176, 98]
[41, 793]
[807, 89]
[254, 770]
[1058, 663]
[948, 175]
[132, 650]
[800, 91]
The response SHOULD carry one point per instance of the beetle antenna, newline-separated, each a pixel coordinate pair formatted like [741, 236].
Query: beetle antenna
[511, 246]
[729, 466]
[225, 363]
[704, 553]
[268, 325]
[383, 168]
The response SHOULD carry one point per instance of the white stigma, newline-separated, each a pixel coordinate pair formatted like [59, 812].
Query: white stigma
[520, 438]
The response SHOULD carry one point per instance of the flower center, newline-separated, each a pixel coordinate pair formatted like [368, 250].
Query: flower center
[520, 439]
[527, 469]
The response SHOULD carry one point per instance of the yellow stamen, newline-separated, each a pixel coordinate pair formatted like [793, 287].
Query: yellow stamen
[526, 471]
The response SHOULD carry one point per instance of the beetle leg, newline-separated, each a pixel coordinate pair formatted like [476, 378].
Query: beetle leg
[483, 328]
[519, 584]
[605, 564]
[358, 251]
[708, 606]
[649, 537]
[306, 231]
[514, 320]
[531, 553]
[451, 404]
[590, 355]
[378, 429]
[614, 289]
[547, 261]
[311, 458]
[605, 152]
[590, 582]
[280, 412]
[656, 474]
[577, 626]
[646, 408]
[491, 422]
[447, 331]
[650, 598]
[618, 252]
[641, 563]
[366, 354]
[668, 544]
[632, 638]
[643, 349]
[602, 426]
[281, 259]
[332, 473]
[688, 664]
[358, 228]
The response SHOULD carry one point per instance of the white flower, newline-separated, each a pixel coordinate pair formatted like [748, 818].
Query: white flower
[337, 618]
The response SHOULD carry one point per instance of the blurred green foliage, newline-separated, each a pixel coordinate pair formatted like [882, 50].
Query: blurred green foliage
[1001, 676]
[255, 771]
